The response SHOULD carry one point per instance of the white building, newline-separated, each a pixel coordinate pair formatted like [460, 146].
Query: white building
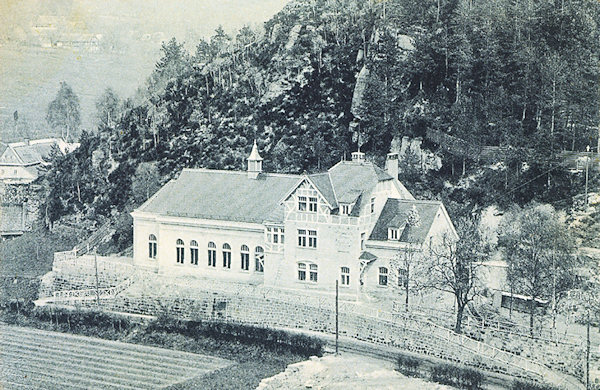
[290, 231]
[20, 161]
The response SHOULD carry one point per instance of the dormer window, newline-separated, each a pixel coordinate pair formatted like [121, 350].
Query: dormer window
[345, 209]
[302, 203]
[393, 234]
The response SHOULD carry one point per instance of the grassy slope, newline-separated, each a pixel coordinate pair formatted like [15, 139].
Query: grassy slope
[25, 259]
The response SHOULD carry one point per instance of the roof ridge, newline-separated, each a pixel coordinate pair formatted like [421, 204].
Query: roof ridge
[209, 170]
[416, 200]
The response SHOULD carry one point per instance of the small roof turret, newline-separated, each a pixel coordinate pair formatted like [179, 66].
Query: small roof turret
[254, 163]
[254, 153]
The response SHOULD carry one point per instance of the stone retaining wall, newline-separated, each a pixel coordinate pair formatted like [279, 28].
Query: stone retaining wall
[394, 331]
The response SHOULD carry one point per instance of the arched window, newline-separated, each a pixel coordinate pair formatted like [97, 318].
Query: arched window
[179, 245]
[259, 259]
[245, 257]
[313, 272]
[152, 246]
[212, 254]
[226, 256]
[383, 276]
[194, 252]
[345, 276]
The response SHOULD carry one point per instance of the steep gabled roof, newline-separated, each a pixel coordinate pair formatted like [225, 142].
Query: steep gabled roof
[394, 215]
[323, 183]
[32, 152]
[351, 179]
[221, 195]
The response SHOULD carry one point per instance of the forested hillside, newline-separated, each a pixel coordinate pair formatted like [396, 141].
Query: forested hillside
[324, 77]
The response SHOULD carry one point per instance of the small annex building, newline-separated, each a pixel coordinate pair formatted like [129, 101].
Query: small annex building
[289, 231]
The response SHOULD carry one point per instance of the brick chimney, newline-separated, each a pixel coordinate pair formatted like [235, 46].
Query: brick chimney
[391, 165]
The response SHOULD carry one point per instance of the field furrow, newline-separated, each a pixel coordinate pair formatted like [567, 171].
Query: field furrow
[36, 359]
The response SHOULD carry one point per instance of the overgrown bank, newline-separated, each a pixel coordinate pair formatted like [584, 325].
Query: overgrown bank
[257, 352]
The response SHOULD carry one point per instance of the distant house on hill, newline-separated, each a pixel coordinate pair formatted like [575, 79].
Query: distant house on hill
[20, 161]
[290, 231]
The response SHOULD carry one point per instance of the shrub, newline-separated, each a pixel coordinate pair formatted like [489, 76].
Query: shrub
[408, 365]
[469, 378]
[461, 377]
[443, 373]
[526, 385]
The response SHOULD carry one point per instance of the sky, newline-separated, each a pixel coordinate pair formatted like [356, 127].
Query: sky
[129, 33]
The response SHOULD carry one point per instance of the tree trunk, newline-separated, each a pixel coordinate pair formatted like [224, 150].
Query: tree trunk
[406, 292]
[460, 308]
[531, 315]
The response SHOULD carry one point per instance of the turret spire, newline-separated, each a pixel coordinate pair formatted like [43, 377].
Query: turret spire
[254, 162]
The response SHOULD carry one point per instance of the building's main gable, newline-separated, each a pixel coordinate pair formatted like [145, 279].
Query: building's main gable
[10, 157]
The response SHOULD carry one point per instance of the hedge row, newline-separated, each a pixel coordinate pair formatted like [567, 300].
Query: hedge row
[524, 385]
[458, 376]
[270, 339]
[110, 325]
[444, 373]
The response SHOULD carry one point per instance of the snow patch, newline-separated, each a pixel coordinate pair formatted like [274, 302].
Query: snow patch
[344, 371]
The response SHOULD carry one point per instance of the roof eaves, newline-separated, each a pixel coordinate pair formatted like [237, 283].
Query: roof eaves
[150, 199]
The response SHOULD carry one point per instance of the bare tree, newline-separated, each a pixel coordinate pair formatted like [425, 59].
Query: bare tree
[454, 266]
[63, 111]
[539, 255]
[405, 265]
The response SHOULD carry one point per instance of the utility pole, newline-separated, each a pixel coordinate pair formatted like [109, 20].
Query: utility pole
[97, 287]
[587, 164]
[587, 355]
[337, 328]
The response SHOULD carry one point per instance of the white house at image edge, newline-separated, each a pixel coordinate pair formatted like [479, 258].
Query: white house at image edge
[290, 231]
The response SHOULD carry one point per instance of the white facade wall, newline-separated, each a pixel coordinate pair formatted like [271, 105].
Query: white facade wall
[169, 230]
[15, 173]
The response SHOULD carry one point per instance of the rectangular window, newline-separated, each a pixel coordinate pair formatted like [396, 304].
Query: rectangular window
[301, 237]
[275, 235]
[363, 236]
[194, 256]
[392, 234]
[345, 209]
[281, 236]
[312, 205]
[212, 258]
[302, 203]
[312, 238]
[372, 205]
[402, 278]
[313, 272]
[383, 276]
[301, 271]
[345, 276]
